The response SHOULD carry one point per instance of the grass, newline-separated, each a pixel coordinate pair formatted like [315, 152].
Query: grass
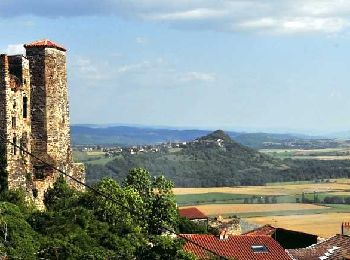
[227, 198]
[100, 161]
[95, 157]
[340, 153]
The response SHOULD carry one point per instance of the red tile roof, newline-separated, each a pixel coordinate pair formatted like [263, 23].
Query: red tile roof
[334, 248]
[266, 230]
[192, 213]
[45, 43]
[237, 247]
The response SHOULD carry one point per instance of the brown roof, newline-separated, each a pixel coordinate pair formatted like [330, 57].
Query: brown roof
[266, 230]
[46, 44]
[192, 213]
[334, 248]
[237, 247]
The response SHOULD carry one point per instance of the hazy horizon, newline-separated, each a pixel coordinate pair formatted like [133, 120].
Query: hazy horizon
[306, 132]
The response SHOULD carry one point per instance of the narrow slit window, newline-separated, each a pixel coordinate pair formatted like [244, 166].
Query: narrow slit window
[14, 143]
[25, 107]
[13, 122]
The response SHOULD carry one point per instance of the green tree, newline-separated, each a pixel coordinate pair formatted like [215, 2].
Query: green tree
[160, 210]
[60, 196]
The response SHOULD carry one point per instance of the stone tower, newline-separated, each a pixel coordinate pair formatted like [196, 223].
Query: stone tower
[38, 85]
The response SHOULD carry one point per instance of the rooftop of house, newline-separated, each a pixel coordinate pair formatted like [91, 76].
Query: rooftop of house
[45, 43]
[192, 213]
[237, 247]
[334, 248]
[268, 230]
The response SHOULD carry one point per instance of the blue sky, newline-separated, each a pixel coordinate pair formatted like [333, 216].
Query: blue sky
[255, 65]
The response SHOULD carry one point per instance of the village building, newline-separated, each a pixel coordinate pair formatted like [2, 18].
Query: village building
[334, 248]
[234, 247]
[288, 239]
[195, 215]
[34, 116]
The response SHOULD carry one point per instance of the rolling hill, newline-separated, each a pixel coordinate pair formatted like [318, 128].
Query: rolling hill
[216, 160]
[212, 160]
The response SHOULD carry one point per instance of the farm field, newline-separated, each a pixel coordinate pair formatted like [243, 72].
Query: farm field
[224, 209]
[324, 225]
[339, 153]
[321, 219]
[268, 190]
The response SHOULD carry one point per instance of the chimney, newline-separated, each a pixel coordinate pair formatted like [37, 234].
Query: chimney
[345, 228]
[223, 234]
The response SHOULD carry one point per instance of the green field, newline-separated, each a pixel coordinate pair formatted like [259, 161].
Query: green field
[92, 157]
[217, 197]
[339, 153]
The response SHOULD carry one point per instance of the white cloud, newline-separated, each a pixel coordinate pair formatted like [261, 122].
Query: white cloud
[141, 40]
[198, 76]
[282, 16]
[158, 71]
[296, 25]
[85, 69]
[195, 14]
[13, 49]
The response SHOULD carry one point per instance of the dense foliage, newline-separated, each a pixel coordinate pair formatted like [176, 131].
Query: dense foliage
[84, 225]
[205, 164]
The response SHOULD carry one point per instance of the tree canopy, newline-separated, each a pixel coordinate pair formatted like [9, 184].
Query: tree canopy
[85, 225]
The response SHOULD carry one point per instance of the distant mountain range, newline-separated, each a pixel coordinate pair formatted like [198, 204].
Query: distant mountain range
[131, 135]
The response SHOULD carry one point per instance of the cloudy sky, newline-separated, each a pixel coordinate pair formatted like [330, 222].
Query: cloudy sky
[257, 65]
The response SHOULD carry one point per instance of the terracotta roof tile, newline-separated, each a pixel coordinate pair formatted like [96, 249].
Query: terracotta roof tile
[334, 248]
[45, 43]
[266, 230]
[237, 247]
[192, 213]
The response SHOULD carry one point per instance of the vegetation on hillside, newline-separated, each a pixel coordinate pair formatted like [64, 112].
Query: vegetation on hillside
[84, 225]
[206, 163]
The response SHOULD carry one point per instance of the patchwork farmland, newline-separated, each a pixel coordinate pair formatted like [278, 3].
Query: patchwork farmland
[276, 204]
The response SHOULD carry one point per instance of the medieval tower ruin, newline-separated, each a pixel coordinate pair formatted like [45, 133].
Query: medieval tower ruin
[34, 114]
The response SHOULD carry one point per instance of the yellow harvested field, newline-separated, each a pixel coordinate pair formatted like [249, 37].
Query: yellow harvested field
[289, 189]
[324, 225]
[219, 209]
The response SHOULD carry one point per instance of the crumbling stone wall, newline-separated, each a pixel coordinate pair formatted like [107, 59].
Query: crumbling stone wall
[15, 119]
[34, 113]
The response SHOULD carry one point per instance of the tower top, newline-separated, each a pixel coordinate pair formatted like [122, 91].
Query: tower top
[44, 44]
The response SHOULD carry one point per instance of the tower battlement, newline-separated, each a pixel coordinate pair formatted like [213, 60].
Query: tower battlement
[34, 114]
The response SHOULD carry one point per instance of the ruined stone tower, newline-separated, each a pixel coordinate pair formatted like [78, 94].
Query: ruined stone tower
[34, 113]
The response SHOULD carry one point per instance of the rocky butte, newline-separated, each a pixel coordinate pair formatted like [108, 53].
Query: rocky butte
[34, 115]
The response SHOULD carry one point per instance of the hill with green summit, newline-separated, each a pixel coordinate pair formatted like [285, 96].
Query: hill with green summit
[212, 160]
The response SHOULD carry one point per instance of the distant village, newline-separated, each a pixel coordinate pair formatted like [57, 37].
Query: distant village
[111, 150]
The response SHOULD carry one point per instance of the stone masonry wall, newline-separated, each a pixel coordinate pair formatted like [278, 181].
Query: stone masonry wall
[50, 118]
[57, 110]
[34, 113]
[15, 125]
